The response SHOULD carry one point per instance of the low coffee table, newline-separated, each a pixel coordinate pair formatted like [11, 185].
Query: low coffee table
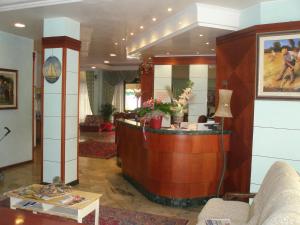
[55, 206]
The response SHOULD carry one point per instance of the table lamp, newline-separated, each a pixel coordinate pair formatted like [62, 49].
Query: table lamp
[223, 111]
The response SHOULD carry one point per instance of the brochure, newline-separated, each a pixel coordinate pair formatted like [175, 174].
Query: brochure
[217, 221]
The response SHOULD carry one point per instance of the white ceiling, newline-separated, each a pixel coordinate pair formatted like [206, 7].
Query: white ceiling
[104, 22]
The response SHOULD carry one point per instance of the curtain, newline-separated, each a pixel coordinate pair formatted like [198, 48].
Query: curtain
[118, 97]
[90, 78]
[84, 101]
[113, 78]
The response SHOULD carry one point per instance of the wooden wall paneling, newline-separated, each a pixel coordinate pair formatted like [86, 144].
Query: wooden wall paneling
[147, 79]
[147, 85]
[236, 63]
[166, 167]
[184, 60]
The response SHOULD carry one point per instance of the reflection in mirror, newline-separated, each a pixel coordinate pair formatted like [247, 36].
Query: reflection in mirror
[180, 77]
[211, 90]
[132, 96]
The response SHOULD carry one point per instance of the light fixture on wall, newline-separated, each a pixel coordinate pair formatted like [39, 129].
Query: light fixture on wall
[223, 111]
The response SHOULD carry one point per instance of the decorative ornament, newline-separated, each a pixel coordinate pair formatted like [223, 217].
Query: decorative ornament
[146, 67]
[52, 69]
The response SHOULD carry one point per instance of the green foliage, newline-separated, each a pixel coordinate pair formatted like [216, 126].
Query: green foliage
[107, 110]
[152, 108]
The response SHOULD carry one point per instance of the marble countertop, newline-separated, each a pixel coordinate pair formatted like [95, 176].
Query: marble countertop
[166, 130]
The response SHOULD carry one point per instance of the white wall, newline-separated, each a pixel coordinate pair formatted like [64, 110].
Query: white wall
[16, 53]
[270, 12]
[276, 124]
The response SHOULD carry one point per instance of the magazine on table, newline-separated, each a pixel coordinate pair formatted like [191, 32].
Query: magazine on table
[73, 199]
[217, 221]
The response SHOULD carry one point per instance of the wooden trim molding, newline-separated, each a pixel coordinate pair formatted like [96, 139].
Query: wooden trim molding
[237, 65]
[184, 60]
[16, 165]
[61, 42]
[262, 28]
[42, 117]
[63, 114]
[78, 121]
[32, 103]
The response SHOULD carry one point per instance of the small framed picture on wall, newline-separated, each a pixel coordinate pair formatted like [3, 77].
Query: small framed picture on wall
[278, 65]
[8, 89]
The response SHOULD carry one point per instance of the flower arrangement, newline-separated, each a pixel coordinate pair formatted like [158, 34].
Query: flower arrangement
[154, 108]
[180, 105]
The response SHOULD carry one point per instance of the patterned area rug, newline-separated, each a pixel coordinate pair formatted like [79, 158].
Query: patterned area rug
[96, 149]
[114, 216]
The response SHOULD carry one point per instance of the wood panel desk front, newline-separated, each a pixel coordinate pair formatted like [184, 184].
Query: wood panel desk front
[170, 166]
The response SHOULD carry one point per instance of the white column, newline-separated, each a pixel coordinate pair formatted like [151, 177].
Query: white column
[60, 101]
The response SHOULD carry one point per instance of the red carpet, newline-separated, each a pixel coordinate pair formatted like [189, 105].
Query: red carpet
[96, 149]
[114, 216]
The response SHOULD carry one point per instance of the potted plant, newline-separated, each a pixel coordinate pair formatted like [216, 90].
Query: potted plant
[180, 104]
[153, 110]
[106, 112]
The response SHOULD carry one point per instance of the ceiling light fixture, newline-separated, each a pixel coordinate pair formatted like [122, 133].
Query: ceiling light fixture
[154, 19]
[201, 35]
[112, 54]
[141, 27]
[213, 49]
[93, 67]
[106, 61]
[131, 33]
[207, 43]
[170, 9]
[116, 43]
[19, 25]
[123, 39]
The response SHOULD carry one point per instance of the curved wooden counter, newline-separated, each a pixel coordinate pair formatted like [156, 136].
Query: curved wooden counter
[173, 167]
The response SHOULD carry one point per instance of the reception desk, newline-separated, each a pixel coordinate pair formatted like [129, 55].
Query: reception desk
[172, 167]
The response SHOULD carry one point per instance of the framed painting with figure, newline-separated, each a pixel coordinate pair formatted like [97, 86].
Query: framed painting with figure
[278, 65]
[8, 89]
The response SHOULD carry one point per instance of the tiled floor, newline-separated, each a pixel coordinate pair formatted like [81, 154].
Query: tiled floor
[101, 176]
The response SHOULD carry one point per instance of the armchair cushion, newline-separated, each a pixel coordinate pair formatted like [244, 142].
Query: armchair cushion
[217, 208]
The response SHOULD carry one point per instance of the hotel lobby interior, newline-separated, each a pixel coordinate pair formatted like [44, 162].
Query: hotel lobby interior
[138, 112]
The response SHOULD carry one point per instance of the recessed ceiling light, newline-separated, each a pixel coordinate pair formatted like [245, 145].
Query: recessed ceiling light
[213, 49]
[207, 43]
[131, 33]
[170, 9]
[154, 19]
[201, 35]
[93, 67]
[116, 43]
[141, 27]
[19, 25]
[123, 39]
[106, 61]
[112, 54]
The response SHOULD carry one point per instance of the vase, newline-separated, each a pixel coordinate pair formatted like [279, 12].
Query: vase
[155, 122]
[178, 118]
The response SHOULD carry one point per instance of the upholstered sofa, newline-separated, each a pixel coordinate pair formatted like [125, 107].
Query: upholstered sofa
[276, 203]
[91, 123]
